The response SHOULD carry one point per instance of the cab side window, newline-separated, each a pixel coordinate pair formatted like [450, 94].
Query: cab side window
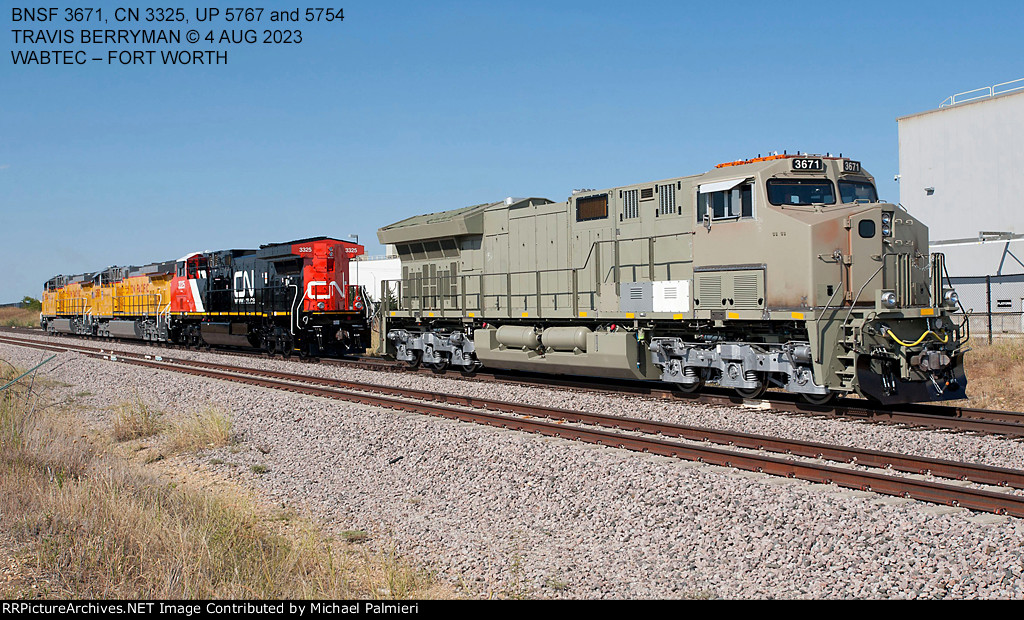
[724, 204]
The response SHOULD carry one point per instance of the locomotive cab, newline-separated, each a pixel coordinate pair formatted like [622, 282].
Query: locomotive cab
[883, 324]
[860, 267]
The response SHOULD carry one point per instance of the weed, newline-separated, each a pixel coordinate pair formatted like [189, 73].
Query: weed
[19, 317]
[354, 536]
[209, 427]
[556, 583]
[995, 374]
[259, 470]
[135, 419]
[517, 577]
[699, 595]
[100, 526]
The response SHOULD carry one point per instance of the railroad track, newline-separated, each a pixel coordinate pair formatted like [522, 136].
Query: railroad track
[964, 419]
[633, 434]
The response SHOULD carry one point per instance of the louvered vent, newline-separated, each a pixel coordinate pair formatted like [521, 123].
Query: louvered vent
[636, 293]
[667, 196]
[630, 204]
[647, 193]
[671, 292]
[710, 291]
[746, 292]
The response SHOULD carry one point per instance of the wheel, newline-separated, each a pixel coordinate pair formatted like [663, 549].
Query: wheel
[690, 389]
[755, 392]
[819, 399]
[471, 370]
[439, 367]
[417, 357]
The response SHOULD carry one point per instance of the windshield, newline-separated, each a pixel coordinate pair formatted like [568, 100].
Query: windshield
[801, 192]
[852, 191]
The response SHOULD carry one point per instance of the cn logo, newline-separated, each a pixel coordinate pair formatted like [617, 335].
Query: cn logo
[245, 284]
[330, 291]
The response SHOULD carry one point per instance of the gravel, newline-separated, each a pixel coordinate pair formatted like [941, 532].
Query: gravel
[511, 514]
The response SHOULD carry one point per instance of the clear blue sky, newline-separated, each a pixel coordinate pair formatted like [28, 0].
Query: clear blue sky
[412, 107]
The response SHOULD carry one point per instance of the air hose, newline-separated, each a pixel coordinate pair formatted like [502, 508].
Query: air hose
[942, 339]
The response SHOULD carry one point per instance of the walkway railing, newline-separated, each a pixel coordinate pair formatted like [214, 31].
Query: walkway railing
[982, 93]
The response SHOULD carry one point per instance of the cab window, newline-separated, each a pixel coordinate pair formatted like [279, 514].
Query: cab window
[801, 192]
[852, 191]
[732, 203]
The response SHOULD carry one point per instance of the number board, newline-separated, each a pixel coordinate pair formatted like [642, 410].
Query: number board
[851, 166]
[808, 164]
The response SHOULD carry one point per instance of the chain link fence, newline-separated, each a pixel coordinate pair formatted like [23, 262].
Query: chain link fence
[994, 304]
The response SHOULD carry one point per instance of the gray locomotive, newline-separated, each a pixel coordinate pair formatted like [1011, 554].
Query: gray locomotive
[783, 271]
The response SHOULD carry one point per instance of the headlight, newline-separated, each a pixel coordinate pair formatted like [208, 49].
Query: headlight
[886, 218]
[889, 299]
[886, 230]
[321, 305]
[950, 299]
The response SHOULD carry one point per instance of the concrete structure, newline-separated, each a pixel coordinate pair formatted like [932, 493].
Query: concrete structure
[960, 171]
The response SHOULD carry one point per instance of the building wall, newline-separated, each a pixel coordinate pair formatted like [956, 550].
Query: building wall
[370, 273]
[972, 155]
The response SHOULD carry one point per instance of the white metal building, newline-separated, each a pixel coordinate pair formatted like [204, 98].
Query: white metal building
[962, 172]
[370, 271]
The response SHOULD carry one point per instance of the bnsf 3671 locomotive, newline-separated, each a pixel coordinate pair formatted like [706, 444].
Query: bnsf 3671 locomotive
[781, 271]
[285, 297]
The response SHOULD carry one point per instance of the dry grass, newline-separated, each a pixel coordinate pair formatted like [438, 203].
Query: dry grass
[135, 419]
[209, 427]
[19, 317]
[995, 374]
[103, 527]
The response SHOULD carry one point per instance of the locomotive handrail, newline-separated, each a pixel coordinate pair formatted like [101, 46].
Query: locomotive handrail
[856, 298]
[571, 271]
[291, 318]
[836, 289]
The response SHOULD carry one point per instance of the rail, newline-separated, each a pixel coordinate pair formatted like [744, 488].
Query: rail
[982, 93]
[576, 425]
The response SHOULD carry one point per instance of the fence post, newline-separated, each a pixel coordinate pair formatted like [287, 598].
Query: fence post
[988, 301]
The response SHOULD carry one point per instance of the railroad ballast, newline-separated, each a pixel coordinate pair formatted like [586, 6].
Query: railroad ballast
[783, 271]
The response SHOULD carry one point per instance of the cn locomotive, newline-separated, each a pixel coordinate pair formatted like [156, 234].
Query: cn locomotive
[783, 271]
[283, 298]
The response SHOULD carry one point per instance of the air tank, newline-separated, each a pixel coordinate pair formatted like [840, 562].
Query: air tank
[515, 337]
[566, 338]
